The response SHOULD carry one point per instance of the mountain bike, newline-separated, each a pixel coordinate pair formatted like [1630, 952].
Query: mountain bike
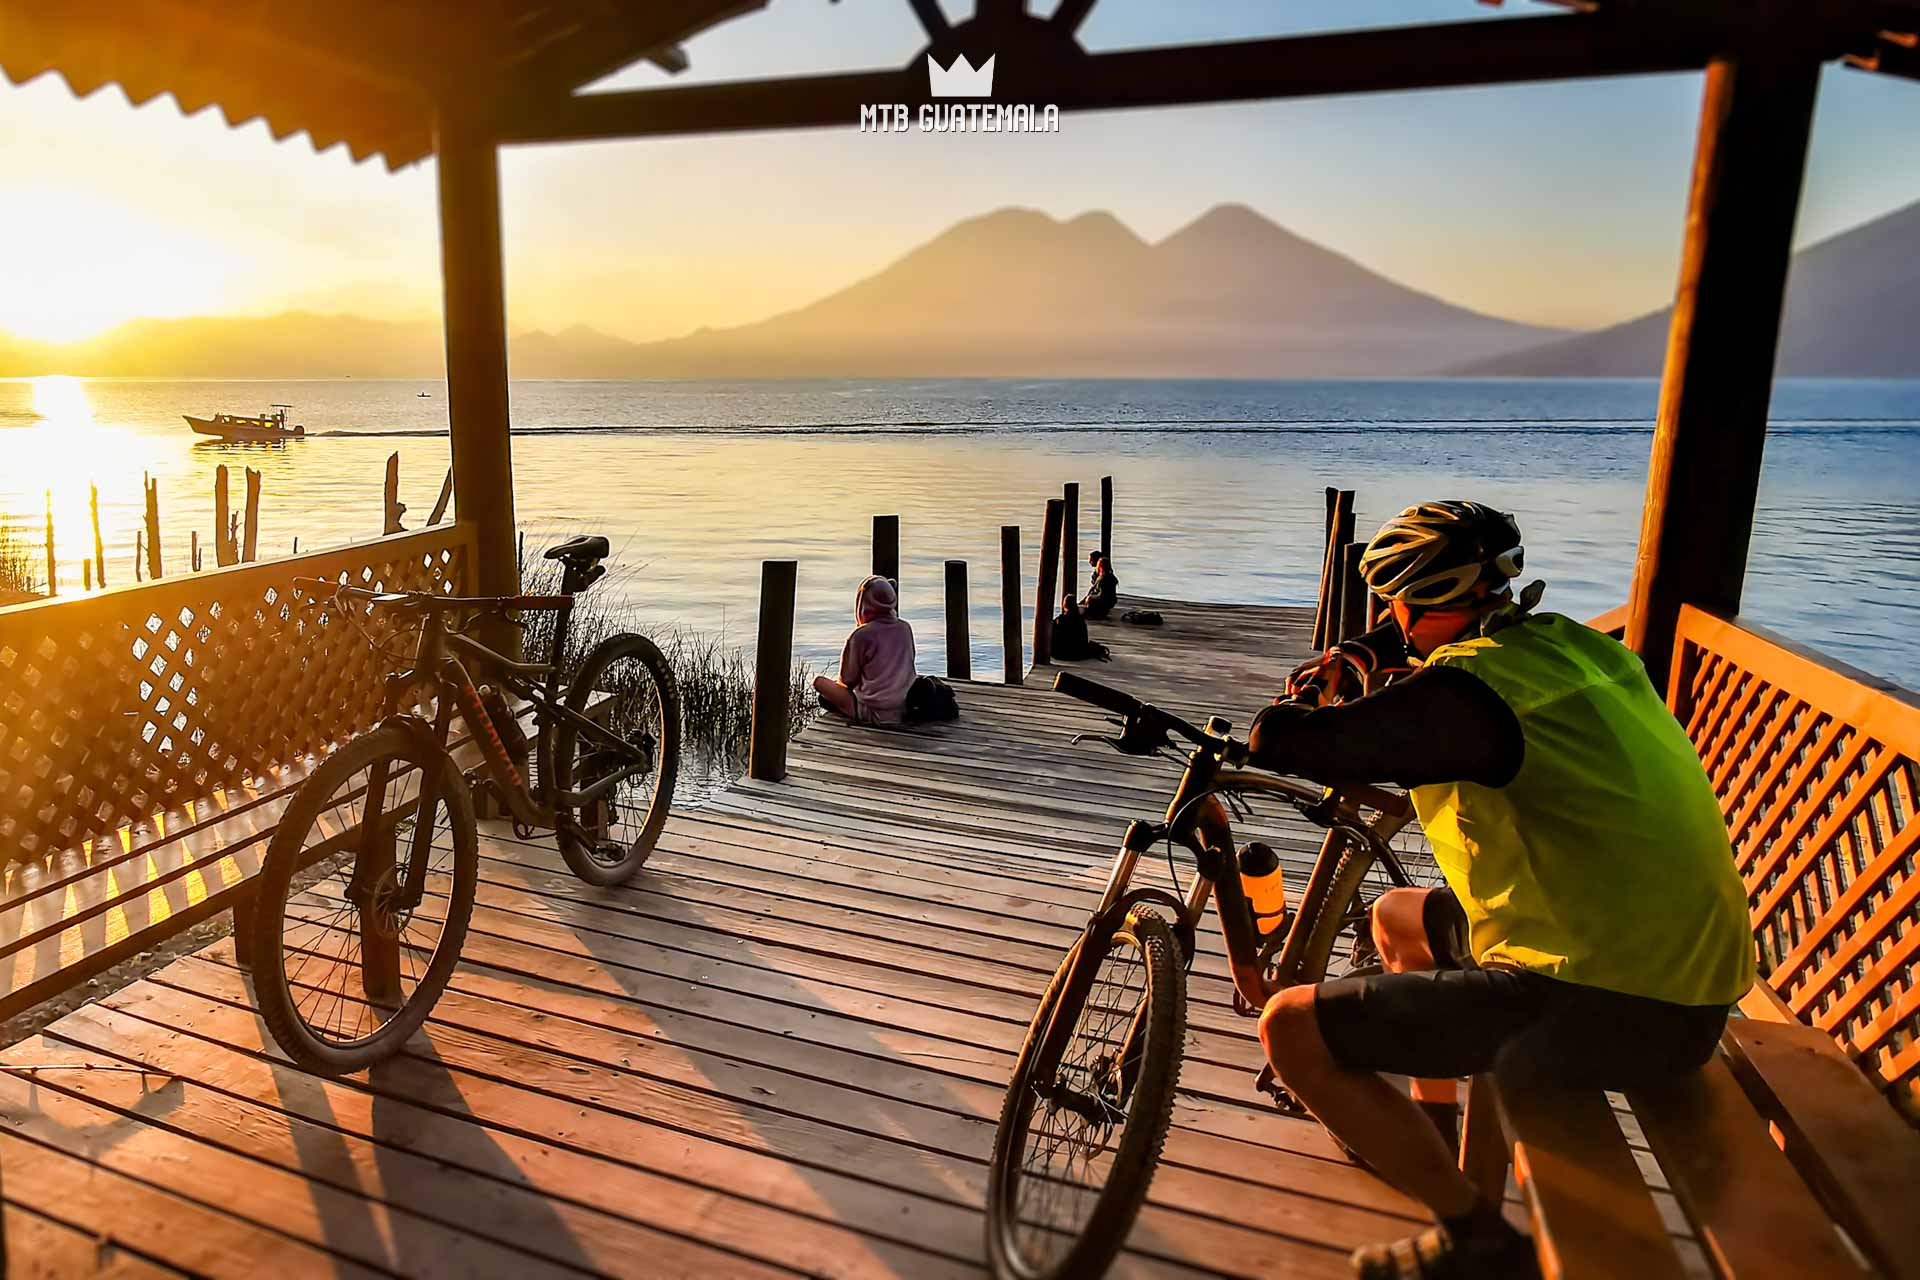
[1087, 1110]
[345, 970]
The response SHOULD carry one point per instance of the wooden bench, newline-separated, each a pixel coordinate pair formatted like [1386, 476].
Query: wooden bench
[151, 736]
[1789, 1154]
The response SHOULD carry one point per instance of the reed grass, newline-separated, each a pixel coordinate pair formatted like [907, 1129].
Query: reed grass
[715, 679]
[20, 562]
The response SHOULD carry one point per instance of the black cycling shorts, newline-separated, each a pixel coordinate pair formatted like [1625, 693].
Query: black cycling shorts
[1460, 1021]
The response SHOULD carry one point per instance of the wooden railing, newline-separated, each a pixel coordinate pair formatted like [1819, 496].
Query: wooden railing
[1817, 768]
[127, 704]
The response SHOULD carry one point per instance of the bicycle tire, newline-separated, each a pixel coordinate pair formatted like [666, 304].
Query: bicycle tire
[314, 1051]
[1149, 1112]
[617, 861]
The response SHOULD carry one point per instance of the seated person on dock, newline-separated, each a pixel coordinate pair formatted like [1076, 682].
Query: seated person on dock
[876, 667]
[1587, 866]
[1103, 591]
[1070, 640]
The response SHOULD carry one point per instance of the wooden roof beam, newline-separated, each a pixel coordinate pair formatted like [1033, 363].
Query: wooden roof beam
[1445, 55]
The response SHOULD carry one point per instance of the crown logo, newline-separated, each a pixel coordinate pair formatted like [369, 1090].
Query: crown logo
[961, 80]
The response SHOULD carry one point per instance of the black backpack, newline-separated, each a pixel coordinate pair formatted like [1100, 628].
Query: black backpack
[930, 699]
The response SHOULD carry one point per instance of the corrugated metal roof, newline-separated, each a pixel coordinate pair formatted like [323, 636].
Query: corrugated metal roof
[366, 73]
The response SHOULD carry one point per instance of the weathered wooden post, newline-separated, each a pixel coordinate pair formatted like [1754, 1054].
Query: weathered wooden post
[1704, 474]
[467, 166]
[773, 673]
[1353, 594]
[86, 574]
[1070, 541]
[223, 552]
[139, 552]
[1106, 516]
[886, 548]
[1012, 648]
[1046, 601]
[446, 496]
[959, 634]
[390, 497]
[1339, 534]
[53, 577]
[193, 549]
[250, 549]
[153, 525]
[99, 547]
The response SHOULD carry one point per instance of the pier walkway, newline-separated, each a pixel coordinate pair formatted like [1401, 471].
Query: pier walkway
[781, 1050]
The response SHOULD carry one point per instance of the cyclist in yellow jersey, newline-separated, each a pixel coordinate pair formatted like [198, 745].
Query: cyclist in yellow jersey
[1592, 931]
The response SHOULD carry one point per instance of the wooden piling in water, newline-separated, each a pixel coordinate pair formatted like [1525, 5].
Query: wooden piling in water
[223, 553]
[1045, 599]
[1012, 647]
[1106, 516]
[99, 547]
[193, 549]
[446, 496]
[886, 549]
[86, 574]
[392, 507]
[772, 723]
[959, 634]
[250, 548]
[1070, 541]
[1339, 533]
[53, 577]
[153, 525]
[139, 550]
[1353, 595]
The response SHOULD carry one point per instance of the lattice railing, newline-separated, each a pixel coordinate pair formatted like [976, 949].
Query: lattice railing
[128, 703]
[1817, 768]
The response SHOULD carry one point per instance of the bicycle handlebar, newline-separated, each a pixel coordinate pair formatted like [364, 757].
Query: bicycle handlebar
[1108, 698]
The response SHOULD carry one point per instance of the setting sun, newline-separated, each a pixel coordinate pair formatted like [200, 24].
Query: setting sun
[76, 265]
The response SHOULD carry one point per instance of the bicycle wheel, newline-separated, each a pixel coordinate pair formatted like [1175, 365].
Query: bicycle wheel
[1065, 1186]
[343, 984]
[625, 685]
[1341, 943]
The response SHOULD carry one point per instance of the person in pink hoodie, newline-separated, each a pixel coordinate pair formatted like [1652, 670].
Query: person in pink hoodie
[876, 667]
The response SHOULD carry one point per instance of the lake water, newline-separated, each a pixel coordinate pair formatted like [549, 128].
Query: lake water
[1219, 484]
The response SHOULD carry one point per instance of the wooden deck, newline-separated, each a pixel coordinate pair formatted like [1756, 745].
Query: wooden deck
[780, 1051]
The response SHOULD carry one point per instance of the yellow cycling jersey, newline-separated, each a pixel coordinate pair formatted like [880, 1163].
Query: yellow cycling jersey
[1605, 861]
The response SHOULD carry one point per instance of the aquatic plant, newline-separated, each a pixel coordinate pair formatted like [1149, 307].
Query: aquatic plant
[715, 679]
[19, 564]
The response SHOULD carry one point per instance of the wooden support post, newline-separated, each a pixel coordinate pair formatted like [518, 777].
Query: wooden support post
[250, 548]
[1047, 600]
[772, 722]
[1106, 516]
[1013, 649]
[153, 526]
[391, 505]
[223, 553]
[1070, 542]
[886, 549]
[99, 547]
[193, 549]
[86, 574]
[1704, 474]
[959, 634]
[468, 169]
[139, 551]
[53, 575]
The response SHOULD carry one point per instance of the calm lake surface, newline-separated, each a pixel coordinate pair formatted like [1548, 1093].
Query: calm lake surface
[1219, 484]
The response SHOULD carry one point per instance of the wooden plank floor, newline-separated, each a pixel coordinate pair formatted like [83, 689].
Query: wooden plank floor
[779, 1051]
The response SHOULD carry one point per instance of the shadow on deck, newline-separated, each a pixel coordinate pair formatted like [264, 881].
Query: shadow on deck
[780, 1050]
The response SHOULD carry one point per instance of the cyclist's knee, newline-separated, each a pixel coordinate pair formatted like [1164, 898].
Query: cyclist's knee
[1400, 931]
[1290, 1032]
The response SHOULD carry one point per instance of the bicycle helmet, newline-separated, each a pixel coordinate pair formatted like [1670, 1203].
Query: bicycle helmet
[1433, 554]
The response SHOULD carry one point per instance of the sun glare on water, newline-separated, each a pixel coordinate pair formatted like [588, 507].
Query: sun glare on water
[59, 456]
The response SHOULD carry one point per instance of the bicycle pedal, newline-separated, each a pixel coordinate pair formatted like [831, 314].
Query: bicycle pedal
[1282, 1097]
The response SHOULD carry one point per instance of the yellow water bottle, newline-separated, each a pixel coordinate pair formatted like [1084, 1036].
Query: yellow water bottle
[1261, 880]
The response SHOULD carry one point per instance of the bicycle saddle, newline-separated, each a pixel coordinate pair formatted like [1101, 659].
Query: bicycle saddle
[581, 552]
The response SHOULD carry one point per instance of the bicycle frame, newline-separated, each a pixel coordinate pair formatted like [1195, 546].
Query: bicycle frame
[1208, 835]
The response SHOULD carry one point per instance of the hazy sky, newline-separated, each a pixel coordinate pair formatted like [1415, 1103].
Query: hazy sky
[1558, 204]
